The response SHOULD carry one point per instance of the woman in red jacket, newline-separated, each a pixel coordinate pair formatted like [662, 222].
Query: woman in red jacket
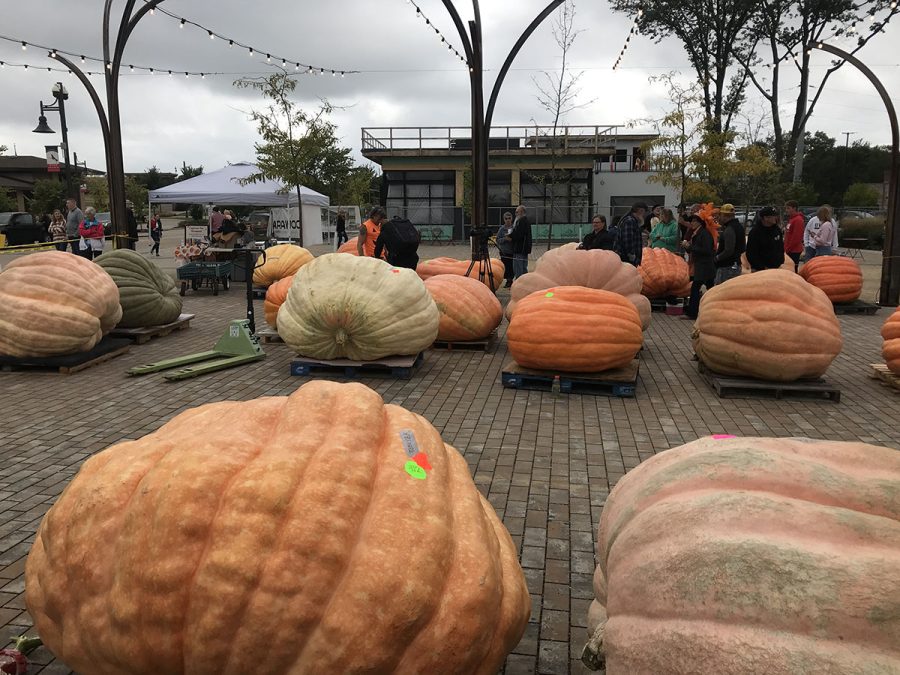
[91, 231]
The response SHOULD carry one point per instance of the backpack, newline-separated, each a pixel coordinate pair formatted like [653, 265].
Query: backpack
[406, 235]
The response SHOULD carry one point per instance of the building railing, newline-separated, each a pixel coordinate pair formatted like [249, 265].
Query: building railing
[534, 138]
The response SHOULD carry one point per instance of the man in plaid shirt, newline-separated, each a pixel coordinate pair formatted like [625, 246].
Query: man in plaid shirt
[630, 244]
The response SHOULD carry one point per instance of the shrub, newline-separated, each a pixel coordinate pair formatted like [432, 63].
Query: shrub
[870, 229]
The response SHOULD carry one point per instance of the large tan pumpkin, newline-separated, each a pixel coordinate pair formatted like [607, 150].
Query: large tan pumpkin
[574, 329]
[276, 294]
[567, 266]
[54, 303]
[282, 260]
[664, 274]
[770, 325]
[840, 277]
[751, 555]
[430, 268]
[317, 546]
[890, 331]
[469, 310]
[746, 269]
[342, 306]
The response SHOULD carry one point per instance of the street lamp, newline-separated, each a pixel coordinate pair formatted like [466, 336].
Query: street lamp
[61, 95]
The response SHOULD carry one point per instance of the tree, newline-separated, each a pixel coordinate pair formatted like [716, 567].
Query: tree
[831, 168]
[713, 33]
[97, 192]
[188, 171]
[153, 178]
[138, 195]
[3, 149]
[784, 28]
[558, 94]
[356, 189]
[7, 203]
[860, 194]
[47, 196]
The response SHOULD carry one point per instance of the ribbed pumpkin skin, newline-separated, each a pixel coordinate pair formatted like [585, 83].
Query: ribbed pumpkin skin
[746, 269]
[574, 329]
[147, 294]
[664, 274]
[567, 266]
[430, 268]
[282, 261]
[276, 294]
[55, 303]
[469, 311]
[307, 549]
[839, 277]
[752, 555]
[359, 308]
[890, 331]
[770, 325]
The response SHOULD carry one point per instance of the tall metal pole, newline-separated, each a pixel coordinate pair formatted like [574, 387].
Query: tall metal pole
[61, 100]
[889, 294]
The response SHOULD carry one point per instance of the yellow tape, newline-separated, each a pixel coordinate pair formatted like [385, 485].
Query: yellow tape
[48, 246]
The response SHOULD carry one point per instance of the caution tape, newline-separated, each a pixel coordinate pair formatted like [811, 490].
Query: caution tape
[51, 245]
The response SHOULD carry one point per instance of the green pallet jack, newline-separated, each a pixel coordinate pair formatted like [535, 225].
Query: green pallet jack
[236, 347]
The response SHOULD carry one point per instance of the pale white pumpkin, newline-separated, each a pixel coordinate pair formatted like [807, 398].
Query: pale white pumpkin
[342, 306]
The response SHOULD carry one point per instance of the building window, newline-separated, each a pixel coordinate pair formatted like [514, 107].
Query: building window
[569, 191]
[423, 197]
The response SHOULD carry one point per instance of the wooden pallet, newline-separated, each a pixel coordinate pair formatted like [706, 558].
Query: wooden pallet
[879, 371]
[268, 335]
[142, 335]
[855, 307]
[727, 386]
[108, 348]
[400, 367]
[621, 382]
[484, 345]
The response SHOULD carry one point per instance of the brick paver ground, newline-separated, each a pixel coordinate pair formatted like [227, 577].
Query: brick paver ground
[545, 461]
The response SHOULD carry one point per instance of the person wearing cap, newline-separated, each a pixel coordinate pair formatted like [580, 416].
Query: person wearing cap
[629, 245]
[765, 245]
[732, 244]
[793, 232]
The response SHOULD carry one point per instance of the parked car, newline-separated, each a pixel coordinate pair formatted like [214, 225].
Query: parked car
[862, 215]
[22, 228]
[105, 219]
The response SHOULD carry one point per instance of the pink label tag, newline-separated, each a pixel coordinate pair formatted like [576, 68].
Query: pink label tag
[720, 437]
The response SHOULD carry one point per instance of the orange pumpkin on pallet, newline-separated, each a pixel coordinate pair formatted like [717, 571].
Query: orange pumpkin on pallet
[348, 534]
[770, 325]
[840, 277]
[275, 297]
[574, 329]
[739, 555]
[350, 247]
[469, 311]
[430, 268]
[890, 331]
[746, 269]
[281, 261]
[664, 273]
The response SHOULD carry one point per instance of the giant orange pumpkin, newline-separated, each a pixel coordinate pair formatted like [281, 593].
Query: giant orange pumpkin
[890, 331]
[275, 297]
[281, 261]
[430, 268]
[664, 274]
[54, 303]
[746, 269]
[838, 276]
[347, 538]
[350, 247]
[567, 266]
[770, 325]
[751, 555]
[469, 311]
[574, 329]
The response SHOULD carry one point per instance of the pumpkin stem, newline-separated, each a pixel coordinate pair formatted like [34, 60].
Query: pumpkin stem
[340, 336]
[594, 655]
[26, 644]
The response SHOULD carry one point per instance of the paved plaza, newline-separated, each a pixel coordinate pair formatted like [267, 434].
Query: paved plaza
[545, 461]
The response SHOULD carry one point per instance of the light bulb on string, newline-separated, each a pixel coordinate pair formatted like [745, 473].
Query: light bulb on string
[181, 25]
[24, 46]
[212, 36]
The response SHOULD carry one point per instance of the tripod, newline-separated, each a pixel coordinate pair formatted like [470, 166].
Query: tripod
[481, 256]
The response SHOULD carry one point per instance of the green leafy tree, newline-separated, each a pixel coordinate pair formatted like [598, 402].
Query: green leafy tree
[137, 194]
[7, 203]
[47, 196]
[153, 178]
[97, 192]
[356, 189]
[860, 194]
[188, 171]
[297, 148]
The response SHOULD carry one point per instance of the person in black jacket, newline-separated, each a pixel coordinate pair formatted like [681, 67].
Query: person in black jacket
[765, 244]
[521, 240]
[599, 237]
[732, 243]
[402, 251]
[340, 227]
[702, 250]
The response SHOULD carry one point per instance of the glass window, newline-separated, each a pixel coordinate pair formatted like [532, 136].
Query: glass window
[395, 190]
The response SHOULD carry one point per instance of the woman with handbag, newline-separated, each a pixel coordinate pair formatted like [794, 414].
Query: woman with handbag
[91, 232]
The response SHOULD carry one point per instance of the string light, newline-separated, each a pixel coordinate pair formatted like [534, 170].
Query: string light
[450, 47]
[631, 33]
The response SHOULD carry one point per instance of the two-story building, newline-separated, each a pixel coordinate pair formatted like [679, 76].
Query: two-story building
[564, 178]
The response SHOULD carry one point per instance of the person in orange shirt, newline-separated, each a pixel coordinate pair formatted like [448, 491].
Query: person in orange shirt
[369, 231]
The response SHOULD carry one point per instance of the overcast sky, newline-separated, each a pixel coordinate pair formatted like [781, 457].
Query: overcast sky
[408, 78]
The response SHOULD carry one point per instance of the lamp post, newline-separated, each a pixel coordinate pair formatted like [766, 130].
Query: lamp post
[889, 294]
[61, 95]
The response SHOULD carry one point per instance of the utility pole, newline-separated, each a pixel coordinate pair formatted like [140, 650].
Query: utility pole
[847, 135]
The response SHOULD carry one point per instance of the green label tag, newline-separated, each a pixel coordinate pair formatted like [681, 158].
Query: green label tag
[549, 295]
[415, 470]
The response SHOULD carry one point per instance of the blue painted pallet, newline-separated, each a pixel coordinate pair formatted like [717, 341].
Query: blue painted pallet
[621, 382]
[400, 367]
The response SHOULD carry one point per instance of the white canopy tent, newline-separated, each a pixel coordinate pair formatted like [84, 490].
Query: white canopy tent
[224, 188]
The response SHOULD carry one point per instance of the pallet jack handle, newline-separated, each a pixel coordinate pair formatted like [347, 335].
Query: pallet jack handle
[250, 264]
